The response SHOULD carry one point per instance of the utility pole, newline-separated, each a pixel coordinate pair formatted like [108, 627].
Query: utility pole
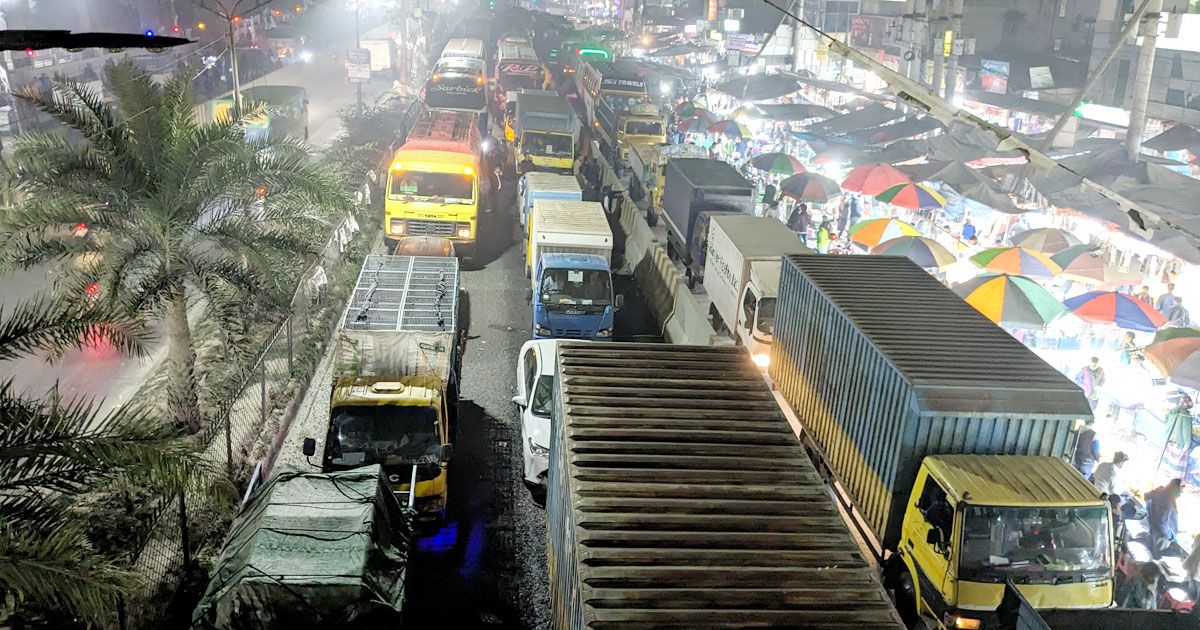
[956, 11]
[232, 12]
[1141, 81]
[797, 37]
[357, 46]
[231, 22]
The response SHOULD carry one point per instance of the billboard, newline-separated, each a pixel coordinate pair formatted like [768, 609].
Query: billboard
[994, 75]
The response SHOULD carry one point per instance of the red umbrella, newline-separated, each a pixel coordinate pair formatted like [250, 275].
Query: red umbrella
[872, 179]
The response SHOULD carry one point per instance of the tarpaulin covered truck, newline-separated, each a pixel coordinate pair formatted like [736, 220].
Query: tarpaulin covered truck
[679, 497]
[695, 190]
[945, 437]
[547, 131]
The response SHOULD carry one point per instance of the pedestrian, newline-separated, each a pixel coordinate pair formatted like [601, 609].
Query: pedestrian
[1130, 353]
[1141, 590]
[1090, 379]
[799, 221]
[1191, 566]
[1143, 295]
[1177, 315]
[855, 211]
[968, 230]
[1107, 476]
[1162, 514]
[1087, 450]
[526, 164]
[824, 238]
[1181, 436]
[1166, 300]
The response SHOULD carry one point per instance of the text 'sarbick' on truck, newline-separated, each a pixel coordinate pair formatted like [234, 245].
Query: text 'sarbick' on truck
[947, 439]
[396, 377]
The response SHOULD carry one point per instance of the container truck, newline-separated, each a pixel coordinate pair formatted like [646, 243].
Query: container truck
[547, 131]
[695, 190]
[944, 437]
[313, 550]
[568, 259]
[648, 164]
[396, 365]
[536, 185]
[680, 498]
[742, 278]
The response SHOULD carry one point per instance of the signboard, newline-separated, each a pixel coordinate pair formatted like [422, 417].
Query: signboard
[358, 65]
[947, 43]
[711, 15]
[742, 42]
[860, 31]
[994, 75]
[519, 68]
[1040, 78]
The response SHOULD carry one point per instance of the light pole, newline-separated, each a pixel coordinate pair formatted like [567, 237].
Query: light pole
[233, 66]
[357, 47]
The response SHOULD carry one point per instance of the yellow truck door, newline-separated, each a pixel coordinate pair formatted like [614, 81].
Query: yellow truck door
[932, 520]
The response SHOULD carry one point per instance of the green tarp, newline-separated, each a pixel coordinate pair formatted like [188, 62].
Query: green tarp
[313, 550]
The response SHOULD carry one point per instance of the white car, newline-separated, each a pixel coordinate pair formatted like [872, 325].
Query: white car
[535, 395]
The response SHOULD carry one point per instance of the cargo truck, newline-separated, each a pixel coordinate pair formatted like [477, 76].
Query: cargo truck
[648, 165]
[944, 437]
[742, 278]
[396, 366]
[547, 131]
[680, 498]
[313, 550]
[694, 191]
[568, 259]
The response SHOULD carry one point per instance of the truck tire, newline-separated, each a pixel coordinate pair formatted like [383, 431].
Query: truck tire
[904, 594]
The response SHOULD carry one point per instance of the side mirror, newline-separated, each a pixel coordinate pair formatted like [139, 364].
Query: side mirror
[519, 401]
[310, 447]
[933, 536]
[620, 301]
[446, 453]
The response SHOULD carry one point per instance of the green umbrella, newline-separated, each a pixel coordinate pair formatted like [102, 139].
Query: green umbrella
[777, 164]
[1014, 301]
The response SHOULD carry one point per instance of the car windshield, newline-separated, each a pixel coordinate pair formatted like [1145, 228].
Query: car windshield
[547, 144]
[1035, 544]
[576, 286]
[766, 316]
[382, 434]
[448, 187]
[643, 128]
[542, 397]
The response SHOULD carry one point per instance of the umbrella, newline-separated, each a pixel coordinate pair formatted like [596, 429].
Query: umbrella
[1081, 264]
[695, 124]
[1017, 261]
[1178, 359]
[1011, 300]
[912, 196]
[872, 179]
[872, 232]
[926, 252]
[731, 128]
[1110, 307]
[688, 109]
[748, 110]
[1046, 240]
[778, 164]
[812, 187]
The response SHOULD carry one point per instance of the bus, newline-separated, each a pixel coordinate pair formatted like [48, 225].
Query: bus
[433, 183]
[517, 68]
[457, 83]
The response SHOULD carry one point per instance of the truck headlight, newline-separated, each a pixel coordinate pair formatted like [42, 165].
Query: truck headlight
[396, 226]
[464, 230]
[604, 332]
[761, 359]
[539, 329]
[536, 449]
[961, 623]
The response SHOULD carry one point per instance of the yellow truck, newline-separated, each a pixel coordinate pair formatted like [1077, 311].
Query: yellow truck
[648, 163]
[396, 377]
[433, 181]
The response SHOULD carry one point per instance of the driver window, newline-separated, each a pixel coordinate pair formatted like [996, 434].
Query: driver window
[530, 373]
[936, 507]
[748, 301]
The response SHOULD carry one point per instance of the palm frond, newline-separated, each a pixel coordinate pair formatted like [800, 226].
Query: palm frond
[54, 326]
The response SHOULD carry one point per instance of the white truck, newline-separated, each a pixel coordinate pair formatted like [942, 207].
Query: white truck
[568, 257]
[742, 266]
[559, 226]
[381, 53]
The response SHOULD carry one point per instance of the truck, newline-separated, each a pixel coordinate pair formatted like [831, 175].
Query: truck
[547, 131]
[621, 127]
[286, 112]
[744, 255]
[944, 438]
[679, 497]
[568, 260]
[537, 185]
[396, 366]
[694, 191]
[648, 167]
[382, 50]
[309, 550]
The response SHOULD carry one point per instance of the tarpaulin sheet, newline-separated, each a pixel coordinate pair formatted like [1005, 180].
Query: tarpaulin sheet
[870, 116]
[759, 87]
[903, 129]
[1178, 137]
[795, 111]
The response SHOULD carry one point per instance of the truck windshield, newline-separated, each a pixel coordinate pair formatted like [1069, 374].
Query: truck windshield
[512, 82]
[643, 128]
[766, 316]
[447, 187]
[546, 144]
[576, 286]
[382, 434]
[1030, 545]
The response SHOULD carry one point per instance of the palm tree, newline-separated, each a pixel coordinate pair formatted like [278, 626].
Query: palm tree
[54, 451]
[177, 211]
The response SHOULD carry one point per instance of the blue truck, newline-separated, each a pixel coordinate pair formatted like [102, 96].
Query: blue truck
[568, 257]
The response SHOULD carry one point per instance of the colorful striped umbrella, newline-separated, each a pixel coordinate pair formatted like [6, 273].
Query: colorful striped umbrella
[1176, 353]
[731, 128]
[872, 179]
[1110, 307]
[811, 187]
[778, 164]
[925, 252]
[912, 196]
[695, 124]
[1014, 301]
[1017, 261]
[872, 232]
[1079, 263]
[1046, 240]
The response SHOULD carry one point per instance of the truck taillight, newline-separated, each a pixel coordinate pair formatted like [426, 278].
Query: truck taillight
[396, 226]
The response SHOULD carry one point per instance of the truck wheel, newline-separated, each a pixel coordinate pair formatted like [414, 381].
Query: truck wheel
[905, 596]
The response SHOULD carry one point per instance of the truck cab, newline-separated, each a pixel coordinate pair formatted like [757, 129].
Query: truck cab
[574, 298]
[756, 315]
[643, 124]
[975, 521]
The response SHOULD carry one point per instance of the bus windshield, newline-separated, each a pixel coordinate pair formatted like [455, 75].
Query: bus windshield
[1032, 545]
[450, 187]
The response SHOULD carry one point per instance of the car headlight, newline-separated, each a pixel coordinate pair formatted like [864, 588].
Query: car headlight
[604, 332]
[761, 359]
[539, 329]
[397, 226]
[961, 623]
[536, 449]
